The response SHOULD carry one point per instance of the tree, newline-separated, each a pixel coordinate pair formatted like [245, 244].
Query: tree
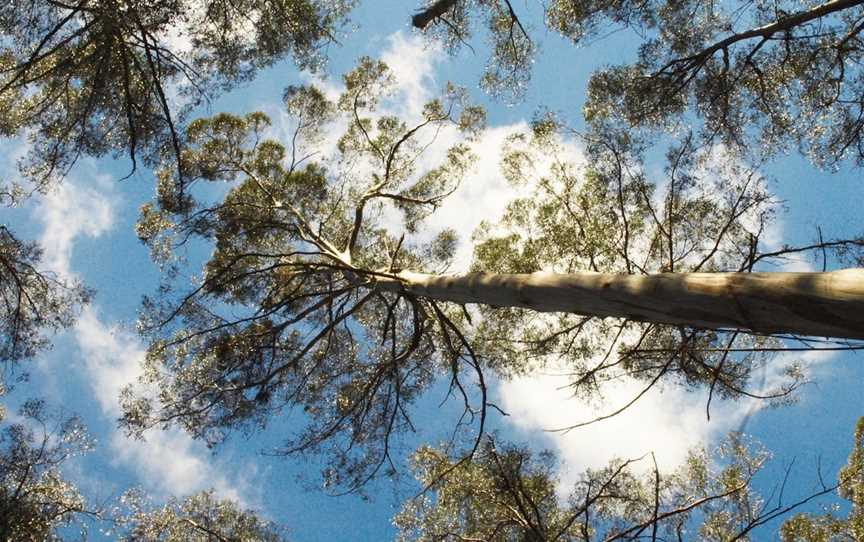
[198, 518]
[88, 77]
[828, 527]
[36, 501]
[508, 72]
[39, 504]
[31, 301]
[706, 218]
[777, 74]
[506, 493]
[309, 301]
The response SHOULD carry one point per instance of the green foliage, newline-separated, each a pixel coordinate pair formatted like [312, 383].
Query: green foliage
[505, 493]
[288, 313]
[36, 501]
[829, 527]
[39, 504]
[32, 301]
[198, 518]
[762, 76]
[100, 76]
[606, 215]
[512, 51]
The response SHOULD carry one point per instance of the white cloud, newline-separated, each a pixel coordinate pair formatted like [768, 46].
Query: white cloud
[667, 422]
[170, 461]
[71, 211]
[483, 194]
[413, 62]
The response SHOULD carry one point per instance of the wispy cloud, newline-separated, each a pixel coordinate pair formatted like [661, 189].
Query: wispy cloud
[168, 462]
[70, 211]
[667, 422]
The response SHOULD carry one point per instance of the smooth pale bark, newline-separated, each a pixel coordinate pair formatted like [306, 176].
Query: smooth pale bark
[827, 304]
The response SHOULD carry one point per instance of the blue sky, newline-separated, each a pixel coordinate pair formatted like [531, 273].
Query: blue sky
[86, 226]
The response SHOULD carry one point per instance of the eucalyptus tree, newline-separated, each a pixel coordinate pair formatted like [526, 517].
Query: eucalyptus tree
[762, 75]
[450, 22]
[88, 77]
[37, 502]
[613, 243]
[830, 527]
[202, 517]
[321, 296]
[507, 493]
[32, 301]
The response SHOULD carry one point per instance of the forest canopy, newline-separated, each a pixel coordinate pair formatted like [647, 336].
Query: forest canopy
[314, 303]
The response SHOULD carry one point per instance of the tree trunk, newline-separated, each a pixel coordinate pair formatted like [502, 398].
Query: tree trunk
[827, 304]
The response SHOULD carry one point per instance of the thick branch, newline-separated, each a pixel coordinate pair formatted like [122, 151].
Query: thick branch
[421, 19]
[822, 304]
[768, 30]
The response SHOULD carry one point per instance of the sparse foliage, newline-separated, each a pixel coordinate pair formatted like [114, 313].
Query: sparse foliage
[287, 314]
[762, 76]
[37, 503]
[830, 526]
[198, 518]
[32, 301]
[452, 22]
[309, 302]
[708, 214]
[506, 493]
[88, 77]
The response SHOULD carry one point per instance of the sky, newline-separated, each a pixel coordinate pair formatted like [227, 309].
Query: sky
[86, 228]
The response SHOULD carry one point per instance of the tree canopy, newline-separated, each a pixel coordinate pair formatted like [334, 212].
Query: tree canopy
[89, 77]
[36, 500]
[296, 247]
[39, 504]
[762, 76]
[322, 290]
[830, 526]
[33, 302]
[308, 302]
[508, 493]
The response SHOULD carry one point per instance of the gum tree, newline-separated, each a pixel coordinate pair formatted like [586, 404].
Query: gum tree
[508, 493]
[830, 527]
[761, 75]
[201, 517]
[92, 77]
[32, 301]
[320, 297]
[36, 501]
[88, 77]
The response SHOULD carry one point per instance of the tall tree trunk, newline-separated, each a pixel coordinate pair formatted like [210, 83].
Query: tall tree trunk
[827, 304]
